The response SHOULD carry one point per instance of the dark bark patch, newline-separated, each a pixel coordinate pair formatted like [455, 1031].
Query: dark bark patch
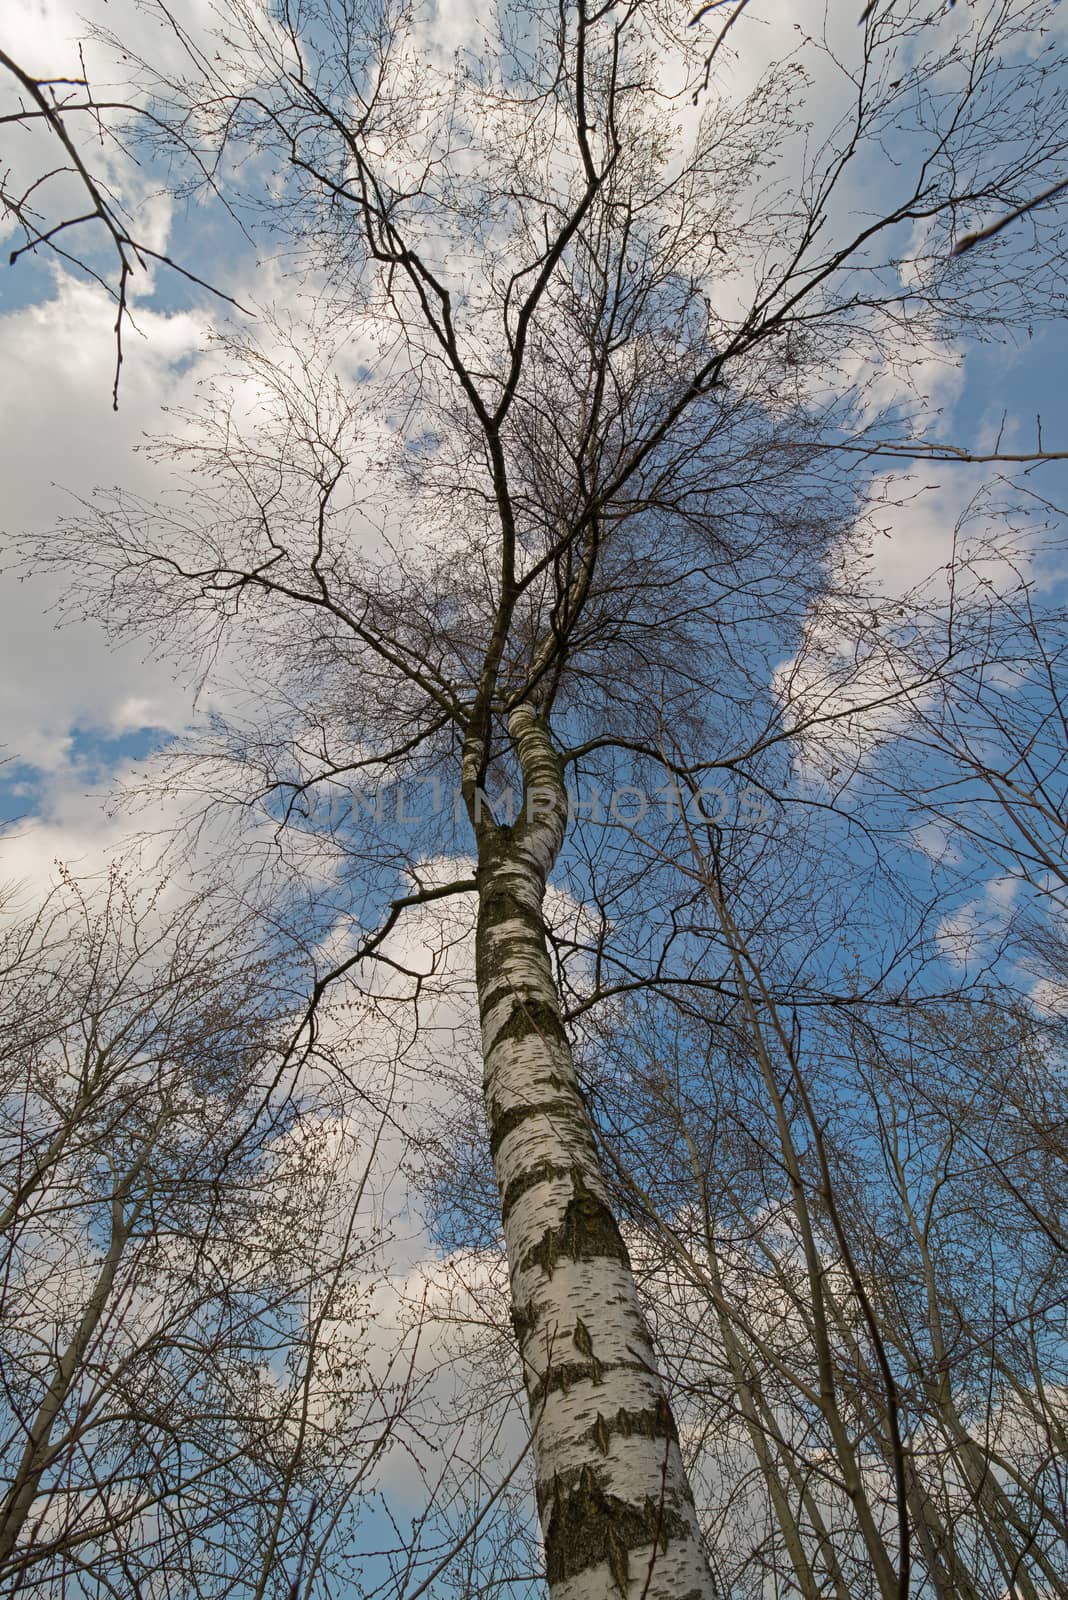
[588, 1232]
[505, 1122]
[588, 1526]
[563, 1375]
[504, 905]
[543, 1172]
[523, 1320]
[529, 1019]
[500, 988]
[656, 1422]
[584, 1343]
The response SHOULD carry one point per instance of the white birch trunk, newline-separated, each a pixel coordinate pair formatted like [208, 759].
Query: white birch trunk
[615, 1505]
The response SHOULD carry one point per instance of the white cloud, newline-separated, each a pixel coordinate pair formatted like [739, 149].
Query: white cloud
[936, 843]
[58, 434]
[934, 538]
[972, 931]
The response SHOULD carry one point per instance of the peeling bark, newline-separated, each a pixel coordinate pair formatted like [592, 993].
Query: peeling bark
[615, 1504]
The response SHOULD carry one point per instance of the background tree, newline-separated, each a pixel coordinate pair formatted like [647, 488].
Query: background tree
[190, 1262]
[844, 1219]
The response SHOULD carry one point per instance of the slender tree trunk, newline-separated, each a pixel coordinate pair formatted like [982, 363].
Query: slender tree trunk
[1011, 1539]
[38, 1451]
[615, 1505]
[948, 1573]
[767, 1445]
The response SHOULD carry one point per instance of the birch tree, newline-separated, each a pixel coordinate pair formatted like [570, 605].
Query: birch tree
[845, 1233]
[547, 490]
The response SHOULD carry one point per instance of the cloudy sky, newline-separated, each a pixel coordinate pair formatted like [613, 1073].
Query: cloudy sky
[79, 711]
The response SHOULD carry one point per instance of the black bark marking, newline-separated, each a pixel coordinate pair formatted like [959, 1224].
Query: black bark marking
[502, 904]
[654, 1423]
[584, 1343]
[588, 1232]
[505, 1122]
[588, 1526]
[564, 1374]
[523, 1320]
[544, 1172]
[529, 1019]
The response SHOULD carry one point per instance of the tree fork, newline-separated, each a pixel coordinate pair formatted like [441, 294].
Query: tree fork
[615, 1505]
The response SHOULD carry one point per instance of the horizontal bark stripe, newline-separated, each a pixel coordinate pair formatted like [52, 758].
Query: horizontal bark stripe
[501, 905]
[564, 1376]
[543, 1172]
[522, 986]
[529, 1018]
[507, 1120]
[655, 1422]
